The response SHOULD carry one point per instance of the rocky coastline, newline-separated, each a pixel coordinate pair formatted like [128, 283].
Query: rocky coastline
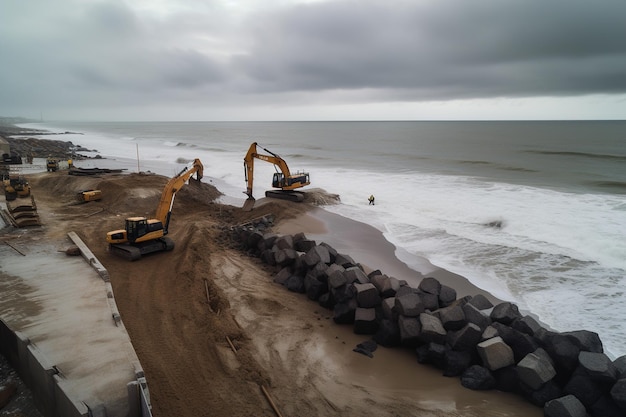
[487, 346]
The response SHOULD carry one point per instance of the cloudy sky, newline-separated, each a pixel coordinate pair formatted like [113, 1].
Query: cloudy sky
[313, 59]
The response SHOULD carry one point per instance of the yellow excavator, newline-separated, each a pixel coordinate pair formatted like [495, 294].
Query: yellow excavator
[283, 180]
[16, 186]
[142, 235]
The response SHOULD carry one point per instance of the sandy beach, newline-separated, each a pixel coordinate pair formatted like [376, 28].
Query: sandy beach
[283, 341]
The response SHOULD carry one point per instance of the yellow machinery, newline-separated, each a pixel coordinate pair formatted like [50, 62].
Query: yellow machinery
[88, 195]
[283, 180]
[142, 235]
[52, 164]
[16, 186]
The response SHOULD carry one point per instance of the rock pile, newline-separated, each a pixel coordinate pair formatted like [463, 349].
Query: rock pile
[487, 346]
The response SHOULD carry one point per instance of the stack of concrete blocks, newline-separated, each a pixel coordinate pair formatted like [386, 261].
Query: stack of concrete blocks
[487, 346]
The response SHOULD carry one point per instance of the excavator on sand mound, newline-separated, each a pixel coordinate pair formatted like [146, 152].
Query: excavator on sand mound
[142, 235]
[285, 182]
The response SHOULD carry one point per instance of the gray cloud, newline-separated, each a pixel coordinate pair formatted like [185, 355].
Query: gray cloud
[71, 53]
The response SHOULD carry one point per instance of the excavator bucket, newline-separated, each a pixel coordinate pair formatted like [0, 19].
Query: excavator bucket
[248, 205]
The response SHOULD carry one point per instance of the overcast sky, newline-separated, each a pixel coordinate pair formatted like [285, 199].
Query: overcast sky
[313, 60]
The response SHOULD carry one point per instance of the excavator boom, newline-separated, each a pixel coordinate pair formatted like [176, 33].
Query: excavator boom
[164, 209]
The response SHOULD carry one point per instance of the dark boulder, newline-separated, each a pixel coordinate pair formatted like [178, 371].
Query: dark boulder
[505, 313]
[477, 377]
[456, 362]
[388, 333]
[567, 406]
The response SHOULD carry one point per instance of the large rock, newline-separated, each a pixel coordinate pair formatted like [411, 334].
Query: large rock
[295, 283]
[432, 330]
[284, 257]
[433, 354]
[495, 354]
[386, 286]
[365, 321]
[527, 325]
[331, 251]
[344, 312]
[618, 393]
[475, 316]
[456, 362]
[367, 296]
[534, 371]
[313, 287]
[583, 388]
[480, 302]
[430, 285]
[521, 343]
[389, 308]
[598, 366]
[567, 406]
[505, 313]
[452, 318]
[356, 275]
[606, 407]
[586, 340]
[620, 365]
[409, 331]
[282, 276]
[336, 278]
[303, 245]
[466, 338]
[317, 254]
[563, 352]
[477, 377]
[344, 260]
[409, 305]
[447, 296]
[284, 242]
[388, 333]
[548, 392]
[430, 301]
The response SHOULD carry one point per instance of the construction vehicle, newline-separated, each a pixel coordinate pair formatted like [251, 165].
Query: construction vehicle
[88, 195]
[16, 186]
[142, 235]
[283, 180]
[52, 164]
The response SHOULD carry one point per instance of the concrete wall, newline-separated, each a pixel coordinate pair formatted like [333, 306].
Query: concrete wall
[45, 381]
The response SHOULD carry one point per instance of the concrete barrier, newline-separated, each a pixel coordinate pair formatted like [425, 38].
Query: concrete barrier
[49, 386]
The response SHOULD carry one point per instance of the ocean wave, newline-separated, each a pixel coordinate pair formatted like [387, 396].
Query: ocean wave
[615, 186]
[497, 166]
[580, 154]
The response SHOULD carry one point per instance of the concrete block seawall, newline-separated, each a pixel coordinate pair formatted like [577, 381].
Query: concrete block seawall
[487, 346]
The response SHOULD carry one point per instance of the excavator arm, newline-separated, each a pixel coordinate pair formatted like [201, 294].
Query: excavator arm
[283, 178]
[164, 209]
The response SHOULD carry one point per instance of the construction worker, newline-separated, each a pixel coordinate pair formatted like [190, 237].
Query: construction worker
[371, 200]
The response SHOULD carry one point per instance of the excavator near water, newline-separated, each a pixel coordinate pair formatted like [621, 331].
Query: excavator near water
[284, 182]
[141, 235]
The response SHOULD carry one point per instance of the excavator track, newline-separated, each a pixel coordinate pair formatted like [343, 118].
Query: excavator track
[295, 196]
[135, 252]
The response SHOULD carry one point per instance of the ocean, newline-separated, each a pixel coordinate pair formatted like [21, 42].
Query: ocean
[533, 212]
